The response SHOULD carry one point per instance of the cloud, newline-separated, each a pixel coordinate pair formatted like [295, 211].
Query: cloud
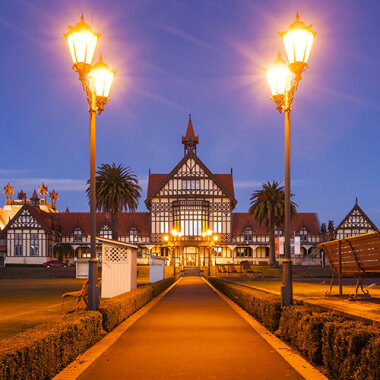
[186, 37]
[59, 184]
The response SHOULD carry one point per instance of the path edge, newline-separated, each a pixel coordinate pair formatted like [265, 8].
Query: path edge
[303, 367]
[82, 362]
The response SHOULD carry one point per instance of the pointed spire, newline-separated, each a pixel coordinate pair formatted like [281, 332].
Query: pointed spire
[34, 196]
[190, 141]
[356, 201]
[67, 210]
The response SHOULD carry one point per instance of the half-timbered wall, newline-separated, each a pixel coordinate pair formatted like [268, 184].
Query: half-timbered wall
[355, 223]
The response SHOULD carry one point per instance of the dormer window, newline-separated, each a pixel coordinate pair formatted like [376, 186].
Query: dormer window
[133, 237]
[303, 234]
[248, 235]
[77, 234]
[106, 232]
[277, 231]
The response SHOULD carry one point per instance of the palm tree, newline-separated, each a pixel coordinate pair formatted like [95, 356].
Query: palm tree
[268, 209]
[117, 189]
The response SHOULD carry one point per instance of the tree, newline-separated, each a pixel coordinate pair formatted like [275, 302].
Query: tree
[117, 189]
[268, 209]
[63, 251]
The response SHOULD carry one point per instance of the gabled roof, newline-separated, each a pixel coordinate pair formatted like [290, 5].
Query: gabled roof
[308, 219]
[157, 181]
[357, 208]
[42, 217]
[65, 223]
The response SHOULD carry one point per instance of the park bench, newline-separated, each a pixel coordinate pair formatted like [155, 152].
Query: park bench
[246, 267]
[357, 256]
[231, 269]
[222, 269]
[79, 296]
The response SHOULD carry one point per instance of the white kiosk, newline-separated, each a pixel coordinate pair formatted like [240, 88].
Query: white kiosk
[156, 268]
[119, 267]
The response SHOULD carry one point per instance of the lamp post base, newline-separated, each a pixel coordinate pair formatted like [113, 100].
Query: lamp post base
[93, 290]
[287, 288]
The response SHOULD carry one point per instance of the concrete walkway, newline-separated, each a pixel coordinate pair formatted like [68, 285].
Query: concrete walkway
[191, 333]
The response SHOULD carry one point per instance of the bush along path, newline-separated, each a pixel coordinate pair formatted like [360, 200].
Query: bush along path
[42, 352]
[343, 348]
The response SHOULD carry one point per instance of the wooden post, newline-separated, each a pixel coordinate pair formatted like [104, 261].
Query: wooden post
[340, 267]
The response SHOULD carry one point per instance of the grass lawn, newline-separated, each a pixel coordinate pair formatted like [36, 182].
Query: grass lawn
[28, 302]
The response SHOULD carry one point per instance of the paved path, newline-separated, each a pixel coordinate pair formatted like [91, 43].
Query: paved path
[191, 333]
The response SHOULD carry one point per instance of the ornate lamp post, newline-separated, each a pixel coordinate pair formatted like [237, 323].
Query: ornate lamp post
[171, 242]
[210, 240]
[283, 80]
[96, 81]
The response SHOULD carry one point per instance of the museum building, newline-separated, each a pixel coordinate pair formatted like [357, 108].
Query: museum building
[190, 199]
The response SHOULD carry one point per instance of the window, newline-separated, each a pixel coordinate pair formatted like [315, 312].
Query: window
[248, 235]
[277, 231]
[164, 227]
[164, 251]
[25, 219]
[106, 232]
[133, 237]
[243, 252]
[18, 245]
[218, 222]
[188, 184]
[34, 245]
[303, 234]
[77, 234]
[355, 219]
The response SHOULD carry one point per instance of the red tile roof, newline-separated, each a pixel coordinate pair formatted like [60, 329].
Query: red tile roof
[242, 220]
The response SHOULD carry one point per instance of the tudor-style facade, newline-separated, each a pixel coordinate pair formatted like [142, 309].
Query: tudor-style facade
[190, 199]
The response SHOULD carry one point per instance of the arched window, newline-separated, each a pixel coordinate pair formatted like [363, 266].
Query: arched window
[133, 237]
[248, 235]
[77, 234]
[106, 232]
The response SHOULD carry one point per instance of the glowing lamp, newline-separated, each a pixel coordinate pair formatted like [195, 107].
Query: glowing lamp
[204, 234]
[279, 77]
[209, 232]
[180, 234]
[82, 43]
[100, 78]
[298, 40]
[166, 237]
[215, 238]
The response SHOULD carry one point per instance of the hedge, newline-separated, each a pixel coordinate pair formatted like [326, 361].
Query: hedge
[115, 310]
[345, 349]
[42, 352]
[265, 307]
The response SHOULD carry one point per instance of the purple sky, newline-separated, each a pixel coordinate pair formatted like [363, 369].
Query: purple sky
[200, 57]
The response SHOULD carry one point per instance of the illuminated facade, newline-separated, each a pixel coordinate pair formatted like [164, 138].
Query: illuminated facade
[190, 199]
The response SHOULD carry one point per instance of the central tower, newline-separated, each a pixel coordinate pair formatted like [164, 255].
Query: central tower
[190, 141]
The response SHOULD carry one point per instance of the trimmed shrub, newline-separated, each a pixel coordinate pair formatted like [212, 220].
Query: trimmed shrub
[265, 307]
[115, 310]
[349, 350]
[40, 353]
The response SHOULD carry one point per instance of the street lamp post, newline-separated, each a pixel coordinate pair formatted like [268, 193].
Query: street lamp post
[171, 243]
[283, 80]
[210, 239]
[96, 81]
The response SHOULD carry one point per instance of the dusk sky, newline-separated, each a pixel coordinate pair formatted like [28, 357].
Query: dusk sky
[200, 57]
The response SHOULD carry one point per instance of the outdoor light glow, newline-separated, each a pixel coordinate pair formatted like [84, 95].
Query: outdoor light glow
[279, 77]
[204, 233]
[297, 41]
[166, 237]
[174, 232]
[180, 234]
[100, 78]
[215, 238]
[209, 232]
[82, 42]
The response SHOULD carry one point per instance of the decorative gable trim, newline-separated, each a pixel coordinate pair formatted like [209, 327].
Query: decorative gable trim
[172, 175]
[349, 222]
[24, 218]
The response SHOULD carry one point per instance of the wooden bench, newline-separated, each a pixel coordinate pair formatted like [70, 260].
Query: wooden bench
[246, 267]
[80, 296]
[357, 256]
[222, 269]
